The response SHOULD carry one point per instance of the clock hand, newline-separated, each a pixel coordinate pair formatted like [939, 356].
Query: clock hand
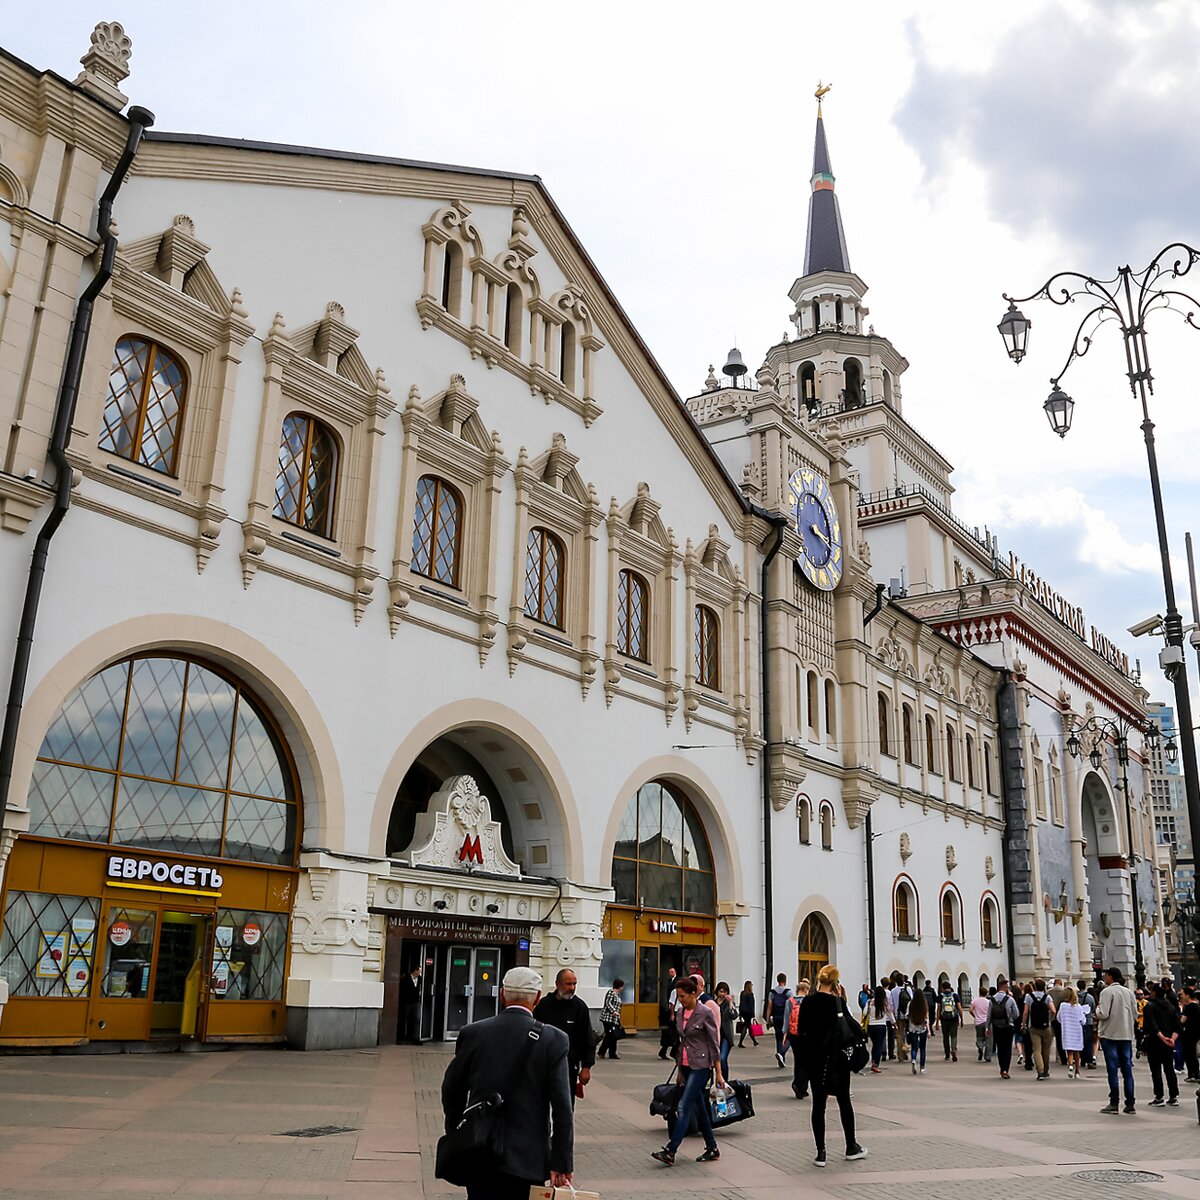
[819, 534]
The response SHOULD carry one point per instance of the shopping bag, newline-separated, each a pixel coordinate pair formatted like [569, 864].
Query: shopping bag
[539, 1192]
[756, 1029]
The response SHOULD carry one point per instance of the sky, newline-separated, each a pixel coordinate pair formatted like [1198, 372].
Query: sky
[978, 149]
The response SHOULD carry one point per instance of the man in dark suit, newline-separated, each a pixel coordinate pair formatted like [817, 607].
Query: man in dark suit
[539, 1132]
[566, 1011]
[410, 1006]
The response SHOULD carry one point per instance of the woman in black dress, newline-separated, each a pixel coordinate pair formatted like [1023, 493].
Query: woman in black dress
[822, 1017]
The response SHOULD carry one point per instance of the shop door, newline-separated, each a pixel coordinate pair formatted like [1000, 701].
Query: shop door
[179, 975]
[487, 983]
[472, 986]
[433, 988]
[121, 1006]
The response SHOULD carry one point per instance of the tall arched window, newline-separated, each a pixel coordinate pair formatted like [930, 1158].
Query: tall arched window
[854, 394]
[166, 753]
[545, 570]
[990, 921]
[884, 709]
[814, 716]
[143, 415]
[566, 355]
[812, 948]
[987, 767]
[970, 755]
[951, 917]
[452, 277]
[661, 858]
[905, 905]
[514, 307]
[804, 813]
[930, 744]
[951, 766]
[307, 477]
[437, 531]
[906, 717]
[808, 385]
[830, 709]
[707, 649]
[633, 615]
[826, 827]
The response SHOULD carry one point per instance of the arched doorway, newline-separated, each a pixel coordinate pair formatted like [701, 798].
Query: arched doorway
[1107, 883]
[151, 895]
[663, 914]
[812, 948]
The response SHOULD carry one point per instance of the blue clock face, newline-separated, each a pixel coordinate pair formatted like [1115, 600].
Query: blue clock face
[820, 532]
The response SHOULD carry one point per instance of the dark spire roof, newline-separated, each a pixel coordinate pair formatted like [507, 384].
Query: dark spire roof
[825, 249]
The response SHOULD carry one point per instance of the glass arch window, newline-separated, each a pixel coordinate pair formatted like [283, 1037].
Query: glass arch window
[437, 531]
[707, 636]
[991, 923]
[307, 477]
[166, 753]
[545, 567]
[950, 917]
[661, 858]
[147, 387]
[905, 911]
[633, 613]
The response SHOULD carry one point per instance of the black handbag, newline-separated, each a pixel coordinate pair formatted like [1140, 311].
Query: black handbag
[665, 1098]
[853, 1041]
[475, 1146]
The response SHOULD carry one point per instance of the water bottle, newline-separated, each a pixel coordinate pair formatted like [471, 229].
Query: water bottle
[722, 1107]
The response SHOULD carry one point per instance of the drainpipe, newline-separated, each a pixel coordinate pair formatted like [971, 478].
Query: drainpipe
[780, 524]
[140, 120]
[880, 588]
[873, 976]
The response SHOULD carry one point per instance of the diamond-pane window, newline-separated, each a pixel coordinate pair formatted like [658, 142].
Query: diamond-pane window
[143, 413]
[707, 647]
[545, 563]
[305, 482]
[176, 757]
[437, 526]
[48, 944]
[633, 611]
[245, 966]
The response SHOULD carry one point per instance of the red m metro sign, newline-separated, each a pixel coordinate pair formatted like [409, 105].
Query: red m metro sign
[471, 850]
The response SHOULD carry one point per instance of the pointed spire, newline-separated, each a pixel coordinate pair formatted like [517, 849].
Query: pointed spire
[825, 248]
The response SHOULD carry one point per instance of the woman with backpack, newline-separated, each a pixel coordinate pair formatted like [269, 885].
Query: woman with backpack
[824, 1024]
[949, 1017]
[747, 1014]
[918, 1030]
[879, 1016]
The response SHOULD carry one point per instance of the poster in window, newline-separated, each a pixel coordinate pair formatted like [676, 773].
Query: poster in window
[76, 977]
[50, 958]
[83, 934]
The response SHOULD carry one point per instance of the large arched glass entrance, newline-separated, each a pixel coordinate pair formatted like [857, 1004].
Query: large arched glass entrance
[150, 896]
[663, 913]
[812, 948]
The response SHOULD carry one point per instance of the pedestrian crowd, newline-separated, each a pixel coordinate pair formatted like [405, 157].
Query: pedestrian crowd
[509, 1093]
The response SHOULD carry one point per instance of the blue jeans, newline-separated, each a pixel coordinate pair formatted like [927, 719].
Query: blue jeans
[917, 1042]
[726, 1046]
[878, 1043]
[695, 1095]
[781, 1041]
[1118, 1056]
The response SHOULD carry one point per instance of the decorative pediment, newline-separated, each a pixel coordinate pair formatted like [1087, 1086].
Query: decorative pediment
[937, 678]
[453, 221]
[713, 554]
[893, 655]
[976, 699]
[641, 515]
[456, 412]
[456, 831]
[557, 470]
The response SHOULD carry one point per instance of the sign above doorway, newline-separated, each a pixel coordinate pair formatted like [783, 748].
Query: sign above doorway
[457, 831]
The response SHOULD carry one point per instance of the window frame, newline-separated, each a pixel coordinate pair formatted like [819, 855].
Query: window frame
[327, 528]
[931, 739]
[906, 717]
[156, 349]
[627, 577]
[706, 647]
[547, 537]
[883, 713]
[441, 485]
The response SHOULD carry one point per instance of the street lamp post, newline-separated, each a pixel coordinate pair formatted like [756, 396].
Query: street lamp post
[1182, 913]
[1129, 299]
[1094, 732]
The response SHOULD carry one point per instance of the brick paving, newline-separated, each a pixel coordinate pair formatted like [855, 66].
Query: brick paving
[216, 1124]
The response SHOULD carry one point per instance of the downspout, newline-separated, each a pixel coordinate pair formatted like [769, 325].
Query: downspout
[880, 588]
[780, 524]
[870, 898]
[140, 120]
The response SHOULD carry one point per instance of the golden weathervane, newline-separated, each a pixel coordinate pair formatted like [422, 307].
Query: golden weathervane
[822, 89]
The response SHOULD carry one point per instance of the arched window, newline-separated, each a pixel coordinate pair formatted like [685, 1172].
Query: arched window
[804, 814]
[990, 922]
[837, 310]
[171, 754]
[437, 531]
[951, 917]
[854, 396]
[661, 859]
[814, 716]
[816, 309]
[904, 906]
[514, 305]
[951, 768]
[633, 615]
[143, 415]
[970, 756]
[707, 647]
[987, 767]
[307, 478]
[830, 709]
[452, 276]
[545, 570]
[906, 717]
[826, 827]
[883, 707]
[566, 354]
[887, 386]
[808, 385]
[930, 745]
[812, 948]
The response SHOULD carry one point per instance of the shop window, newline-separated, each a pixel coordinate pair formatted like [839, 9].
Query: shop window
[249, 952]
[707, 647]
[437, 531]
[545, 573]
[307, 476]
[147, 387]
[166, 754]
[661, 858]
[48, 944]
[128, 954]
[633, 613]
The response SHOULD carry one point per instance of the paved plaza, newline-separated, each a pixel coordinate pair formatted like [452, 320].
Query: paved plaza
[226, 1124]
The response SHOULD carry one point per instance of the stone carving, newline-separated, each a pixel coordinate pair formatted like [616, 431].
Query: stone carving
[937, 677]
[989, 868]
[905, 847]
[329, 926]
[106, 64]
[580, 947]
[457, 830]
[976, 699]
[951, 859]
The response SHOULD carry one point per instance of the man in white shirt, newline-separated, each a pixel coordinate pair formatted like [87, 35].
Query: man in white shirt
[1116, 1022]
[895, 1032]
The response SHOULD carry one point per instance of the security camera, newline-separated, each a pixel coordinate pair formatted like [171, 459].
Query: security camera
[1170, 658]
[1149, 625]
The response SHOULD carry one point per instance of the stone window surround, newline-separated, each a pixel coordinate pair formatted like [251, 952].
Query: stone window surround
[445, 437]
[318, 370]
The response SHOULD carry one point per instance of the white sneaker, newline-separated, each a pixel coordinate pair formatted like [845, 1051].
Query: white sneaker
[914, 1066]
[1070, 1072]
